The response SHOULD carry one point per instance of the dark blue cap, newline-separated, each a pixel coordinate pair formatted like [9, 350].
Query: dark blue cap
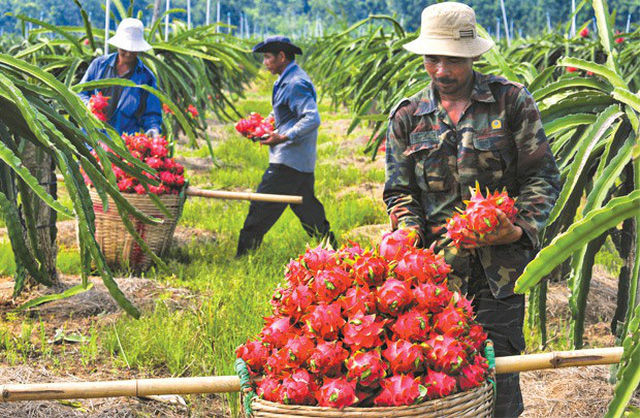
[277, 42]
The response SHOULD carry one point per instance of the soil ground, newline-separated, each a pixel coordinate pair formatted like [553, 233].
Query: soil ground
[574, 392]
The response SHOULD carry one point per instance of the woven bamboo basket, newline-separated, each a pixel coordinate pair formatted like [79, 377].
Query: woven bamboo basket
[119, 247]
[476, 402]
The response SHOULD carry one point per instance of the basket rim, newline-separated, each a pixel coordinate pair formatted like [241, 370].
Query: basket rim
[441, 403]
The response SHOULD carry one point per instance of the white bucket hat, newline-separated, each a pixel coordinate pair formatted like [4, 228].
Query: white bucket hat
[449, 29]
[130, 36]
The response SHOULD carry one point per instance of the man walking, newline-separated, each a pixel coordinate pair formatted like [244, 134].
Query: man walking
[467, 127]
[292, 149]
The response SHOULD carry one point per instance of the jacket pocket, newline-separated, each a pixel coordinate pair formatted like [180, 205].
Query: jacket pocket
[431, 169]
[491, 150]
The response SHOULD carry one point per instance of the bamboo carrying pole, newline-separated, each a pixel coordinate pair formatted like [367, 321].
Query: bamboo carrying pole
[223, 194]
[223, 384]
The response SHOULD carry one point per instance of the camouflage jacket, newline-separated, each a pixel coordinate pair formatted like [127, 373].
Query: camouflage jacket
[499, 142]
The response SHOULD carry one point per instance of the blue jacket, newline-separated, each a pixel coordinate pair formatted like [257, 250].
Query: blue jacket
[128, 116]
[296, 113]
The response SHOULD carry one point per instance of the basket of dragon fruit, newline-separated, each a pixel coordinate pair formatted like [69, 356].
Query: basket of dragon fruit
[369, 333]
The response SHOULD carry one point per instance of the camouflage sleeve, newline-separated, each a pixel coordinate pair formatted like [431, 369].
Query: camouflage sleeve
[537, 172]
[401, 192]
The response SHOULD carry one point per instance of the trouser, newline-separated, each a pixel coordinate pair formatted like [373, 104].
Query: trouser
[281, 179]
[502, 320]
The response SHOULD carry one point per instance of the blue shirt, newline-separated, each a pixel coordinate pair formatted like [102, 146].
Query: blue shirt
[137, 110]
[296, 114]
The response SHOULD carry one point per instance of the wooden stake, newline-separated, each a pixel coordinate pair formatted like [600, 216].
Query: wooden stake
[223, 194]
[224, 384]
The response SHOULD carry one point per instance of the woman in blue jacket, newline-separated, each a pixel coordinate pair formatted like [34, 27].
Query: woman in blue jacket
[130, 109]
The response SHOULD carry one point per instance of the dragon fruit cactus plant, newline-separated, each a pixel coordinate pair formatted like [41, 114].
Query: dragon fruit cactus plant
[360, 327]
[480, 216]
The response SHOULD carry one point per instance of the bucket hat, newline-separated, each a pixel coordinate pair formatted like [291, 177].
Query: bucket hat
[449, 29]
[279, 42]
[130, 36]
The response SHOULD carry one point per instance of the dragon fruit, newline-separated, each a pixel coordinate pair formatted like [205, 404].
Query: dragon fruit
[295, 302]
[277, 331]
[412, 325]
[366, 367]
[370, 271]
[255, 354]
[363, 331]
[432, 297]
[398, 390]
[403, 356]
[445, 353]
[439, 384]
[297, 388]
[393, 296]
[329, 284]
[337, 393]
[299, 349]
[325, 321]
[471, 376]
[422, 265]
[269, 388]
[318, 258]
[480, 216]
[327, 358]
[357, 299]
[450, 321]
[394, 244]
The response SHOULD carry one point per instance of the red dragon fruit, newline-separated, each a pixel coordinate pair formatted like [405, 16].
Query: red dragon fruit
[480, 215]
[357, 299]
[299, 349]
[412, 325]
[393, 296]
[439, 384]
[327, 358]
[297, 274]
[325, 321]
[398, 390]
[476, 337]
[255, 354]
[269, 388]
[471, 376]
[403, 356]
[297, 388]
[450, 321]
[366, 367]
[370, 271]
[296, 302]
[329, 284]
[319, 259]
[394, 244]
[363, 331]
[277, 330]
[445, 353]
[423, 265]
[432, 297]
[337, 393]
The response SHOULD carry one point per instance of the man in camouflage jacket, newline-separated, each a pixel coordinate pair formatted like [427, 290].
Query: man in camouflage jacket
[467, 127]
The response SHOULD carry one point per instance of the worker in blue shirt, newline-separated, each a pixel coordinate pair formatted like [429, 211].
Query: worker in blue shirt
[292, 149]
[130, 109]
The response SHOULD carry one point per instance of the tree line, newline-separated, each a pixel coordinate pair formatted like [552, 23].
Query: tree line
[308, 17]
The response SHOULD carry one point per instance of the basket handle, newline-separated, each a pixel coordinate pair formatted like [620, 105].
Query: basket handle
[245, 385]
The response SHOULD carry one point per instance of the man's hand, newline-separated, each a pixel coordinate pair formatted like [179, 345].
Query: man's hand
[505, 233]
[274, 139]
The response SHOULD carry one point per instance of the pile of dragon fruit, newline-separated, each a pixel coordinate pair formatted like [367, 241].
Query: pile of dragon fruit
[479, 216]
[155, 153]
[255, 127]
[374, 327]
